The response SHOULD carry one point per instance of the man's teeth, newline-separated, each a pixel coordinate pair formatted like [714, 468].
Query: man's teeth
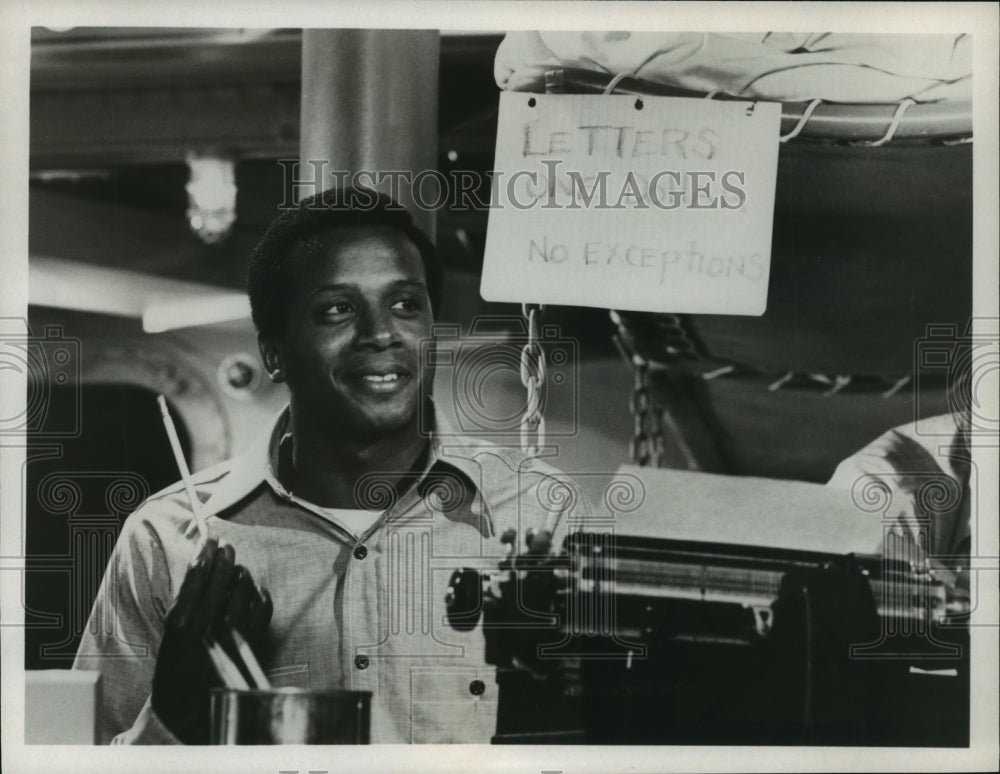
[384, 378]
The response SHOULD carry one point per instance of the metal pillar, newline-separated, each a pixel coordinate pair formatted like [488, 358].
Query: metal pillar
[370, 102]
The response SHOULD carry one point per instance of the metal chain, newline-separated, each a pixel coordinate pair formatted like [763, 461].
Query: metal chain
[638, 407]
[646, 446]
[533, 379]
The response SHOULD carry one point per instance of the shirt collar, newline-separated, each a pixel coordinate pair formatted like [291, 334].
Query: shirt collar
[259, 463]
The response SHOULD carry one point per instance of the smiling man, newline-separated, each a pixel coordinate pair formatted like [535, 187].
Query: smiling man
[331, 540]
[342, 325]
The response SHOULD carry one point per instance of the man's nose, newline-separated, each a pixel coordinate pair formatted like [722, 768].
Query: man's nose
[377, 327]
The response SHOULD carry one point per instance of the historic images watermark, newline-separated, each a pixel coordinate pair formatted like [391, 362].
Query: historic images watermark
[74, 515]
[46, 361]
[930, 493]
[967, 359]
[498, 351]
[555, 187]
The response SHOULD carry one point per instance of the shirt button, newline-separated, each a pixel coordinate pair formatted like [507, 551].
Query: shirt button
[360, 552]
[361, 662]
[477, 687]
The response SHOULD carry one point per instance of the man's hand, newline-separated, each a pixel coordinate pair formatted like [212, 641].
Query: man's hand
[216, 593]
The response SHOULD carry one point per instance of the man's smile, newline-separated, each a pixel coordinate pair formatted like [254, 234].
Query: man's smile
[384, 382]
[382, 379]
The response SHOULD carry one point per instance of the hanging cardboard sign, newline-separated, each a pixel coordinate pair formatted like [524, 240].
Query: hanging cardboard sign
[648, 204]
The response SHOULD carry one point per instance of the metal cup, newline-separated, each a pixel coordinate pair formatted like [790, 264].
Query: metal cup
[289, 716]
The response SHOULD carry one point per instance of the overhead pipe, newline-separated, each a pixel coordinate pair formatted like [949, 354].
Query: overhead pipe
[370, 102]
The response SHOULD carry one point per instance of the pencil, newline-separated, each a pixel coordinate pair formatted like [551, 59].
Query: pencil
[228, 672]
[250, 660]
[175, 445]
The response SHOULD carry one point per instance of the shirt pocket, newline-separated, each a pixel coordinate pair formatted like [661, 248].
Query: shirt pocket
[289, 676]
[452, 705]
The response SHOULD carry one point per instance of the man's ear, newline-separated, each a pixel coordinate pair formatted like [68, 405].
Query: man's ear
[270, 354]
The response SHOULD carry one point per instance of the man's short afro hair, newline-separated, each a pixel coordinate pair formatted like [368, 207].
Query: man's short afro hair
[272, 267]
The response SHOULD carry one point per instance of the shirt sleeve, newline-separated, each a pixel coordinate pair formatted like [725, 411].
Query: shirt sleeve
[123, 633]
[912, 462]
[147, 729]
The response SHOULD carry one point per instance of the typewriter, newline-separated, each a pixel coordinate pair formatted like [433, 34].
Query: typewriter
[624, 639]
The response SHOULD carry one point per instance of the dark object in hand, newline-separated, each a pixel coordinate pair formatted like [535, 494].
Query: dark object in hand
[216, 594]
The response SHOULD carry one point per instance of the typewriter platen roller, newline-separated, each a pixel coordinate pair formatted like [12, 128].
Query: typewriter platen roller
[629, 640]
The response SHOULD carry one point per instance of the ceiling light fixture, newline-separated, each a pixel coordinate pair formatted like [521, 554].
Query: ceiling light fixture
[211, 191]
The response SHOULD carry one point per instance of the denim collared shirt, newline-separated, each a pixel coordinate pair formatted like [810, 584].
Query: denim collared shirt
[352, 612]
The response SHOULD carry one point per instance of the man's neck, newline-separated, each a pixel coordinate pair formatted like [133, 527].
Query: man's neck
[335, 471]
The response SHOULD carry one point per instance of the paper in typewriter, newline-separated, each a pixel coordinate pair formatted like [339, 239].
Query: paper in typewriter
[743, 510]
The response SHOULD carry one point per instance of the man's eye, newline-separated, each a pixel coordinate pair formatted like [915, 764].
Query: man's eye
[338, 308]
[407, 305]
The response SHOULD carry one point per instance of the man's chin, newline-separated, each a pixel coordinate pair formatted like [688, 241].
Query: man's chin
[375, 418]
[365, 415]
